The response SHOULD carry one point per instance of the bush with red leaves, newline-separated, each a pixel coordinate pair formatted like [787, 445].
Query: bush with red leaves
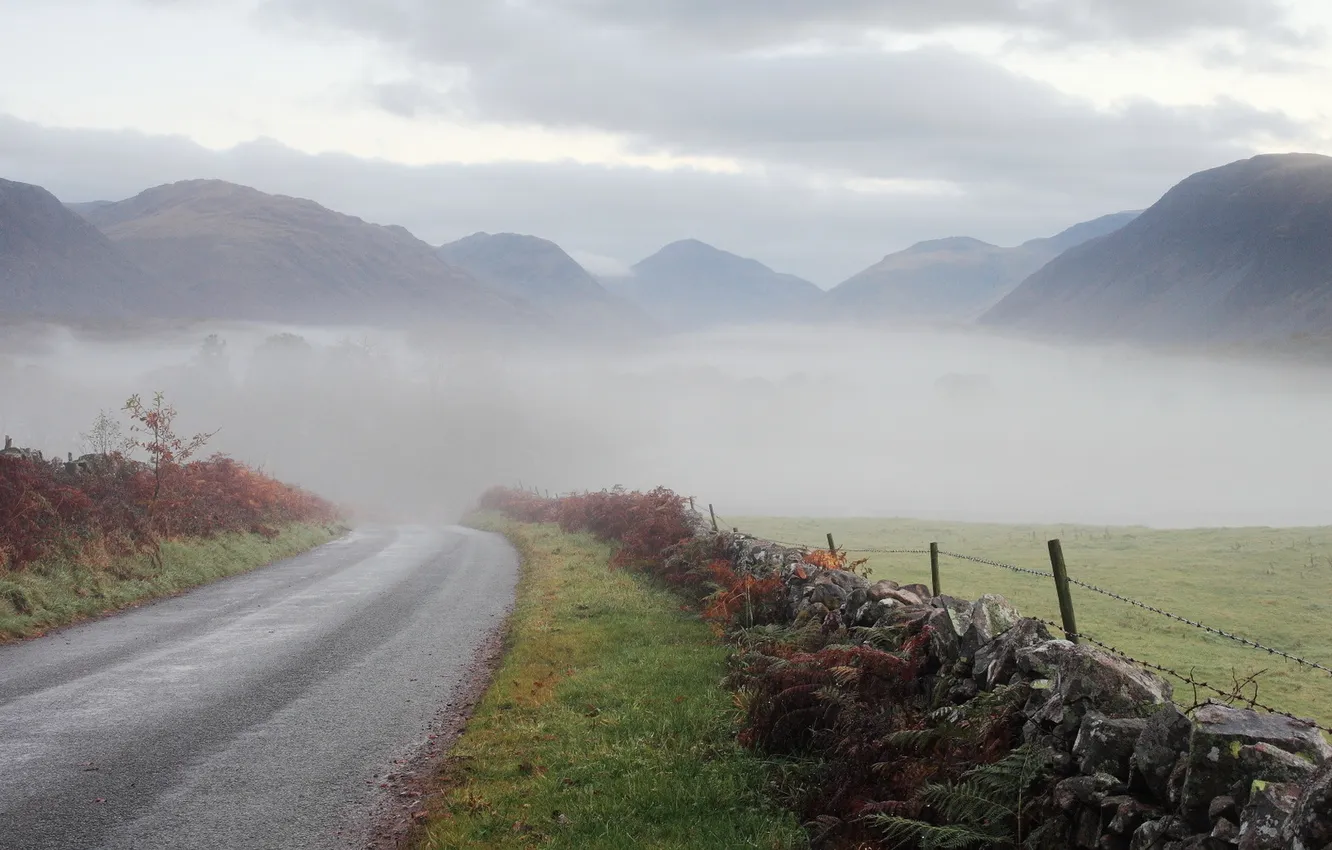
[50, 509]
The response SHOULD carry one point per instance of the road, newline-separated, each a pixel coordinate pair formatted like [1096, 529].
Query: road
[257, 712]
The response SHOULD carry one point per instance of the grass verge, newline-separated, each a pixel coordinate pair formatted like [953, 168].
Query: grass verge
[48, 595]
[605, 726]
[1273, 585]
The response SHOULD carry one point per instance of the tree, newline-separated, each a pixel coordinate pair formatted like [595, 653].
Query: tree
[152, 429]
[105, 437]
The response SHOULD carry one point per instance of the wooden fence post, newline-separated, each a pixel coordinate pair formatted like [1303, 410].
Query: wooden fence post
[832, 547]
[1061, 587]
[934, 568]
[712, 514]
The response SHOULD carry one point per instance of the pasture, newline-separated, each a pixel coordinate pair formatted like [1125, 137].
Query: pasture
[1272, 585]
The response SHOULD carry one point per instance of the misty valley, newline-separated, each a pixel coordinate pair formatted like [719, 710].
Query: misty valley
[765, 419]
[598, 425]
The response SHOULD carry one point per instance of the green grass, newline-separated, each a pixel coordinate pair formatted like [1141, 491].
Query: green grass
[1270, 585]
[47, 595]
[606, 726]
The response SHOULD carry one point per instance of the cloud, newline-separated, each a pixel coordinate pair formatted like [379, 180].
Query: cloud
[932, 113]
[491, 24]
[602, 266]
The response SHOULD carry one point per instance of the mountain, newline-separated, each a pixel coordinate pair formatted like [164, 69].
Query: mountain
[954, 279]
[691, 284]
[53, 264]
[1239, 252]
[541, 273]
[233, 252]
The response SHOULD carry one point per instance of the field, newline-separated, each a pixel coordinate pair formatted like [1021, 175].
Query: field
[1267, 584]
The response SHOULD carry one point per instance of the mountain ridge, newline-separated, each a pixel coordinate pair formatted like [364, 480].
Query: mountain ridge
[53, 263]
[1235, 252]
[952, 279]
[689, 283]
[232, 251]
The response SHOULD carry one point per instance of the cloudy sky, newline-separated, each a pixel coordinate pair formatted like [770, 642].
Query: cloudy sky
[814, 135]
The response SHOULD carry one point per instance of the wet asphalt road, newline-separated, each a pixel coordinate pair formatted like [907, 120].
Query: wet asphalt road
[252, 713]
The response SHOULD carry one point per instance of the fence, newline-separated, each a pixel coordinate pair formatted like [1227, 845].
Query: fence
[1062, 583]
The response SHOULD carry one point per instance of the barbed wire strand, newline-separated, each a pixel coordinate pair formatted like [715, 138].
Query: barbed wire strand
[998, 564]
[1206, 628]
[1253, 644]
[1232, 695]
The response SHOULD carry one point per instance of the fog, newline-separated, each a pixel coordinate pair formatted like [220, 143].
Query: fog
[771, 420]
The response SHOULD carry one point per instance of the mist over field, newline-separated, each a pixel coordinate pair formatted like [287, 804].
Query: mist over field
[760, 420]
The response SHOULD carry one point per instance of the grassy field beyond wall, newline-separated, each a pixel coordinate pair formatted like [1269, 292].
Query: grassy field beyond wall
[606, 725]
[49, 594]
[1270, 585]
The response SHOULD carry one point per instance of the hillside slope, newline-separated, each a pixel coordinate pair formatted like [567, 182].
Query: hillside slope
[692, 284]
[541, 273]
[234, 252]
[954, 279]
[54, 264]
[1236, 252]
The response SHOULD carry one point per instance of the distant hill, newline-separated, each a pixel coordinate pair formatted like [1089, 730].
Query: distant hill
[954, 279]
[54, 264]
[541, 273]
[691, 284]
[1238, 252]
[230, 251]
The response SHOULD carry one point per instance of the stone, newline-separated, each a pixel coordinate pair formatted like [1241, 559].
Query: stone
[816, 611]
[1043, 660]
[1127, 814]
[991, 616]
[1264, 824]
[881, 589]
[963, 692]
[856, 600]
[1087, 829]
[1110, 841]
[847, 580]
[1273, 764]
[1224, 831]
[1175, 784]
[827, 594]
[1163, 738]
[1220, 734]
[996, 662]
[1105, 744]
[1087, 677]
[1085, 791]
[1057, 719]
[1309, 826]
[918, 590]
[905, 597]
[1156, 834]
[1222, 807]
[1038, 694]
[875, 613]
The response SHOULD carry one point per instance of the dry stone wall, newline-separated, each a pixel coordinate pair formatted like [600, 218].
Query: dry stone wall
[1133, 771]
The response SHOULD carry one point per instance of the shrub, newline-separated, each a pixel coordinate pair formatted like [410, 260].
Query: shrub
[55, 510]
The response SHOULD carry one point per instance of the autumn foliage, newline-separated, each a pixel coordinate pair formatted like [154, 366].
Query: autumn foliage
[110, 505]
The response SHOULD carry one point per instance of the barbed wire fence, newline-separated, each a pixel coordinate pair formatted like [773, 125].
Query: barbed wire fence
[1068, 627]
[1063, 581]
